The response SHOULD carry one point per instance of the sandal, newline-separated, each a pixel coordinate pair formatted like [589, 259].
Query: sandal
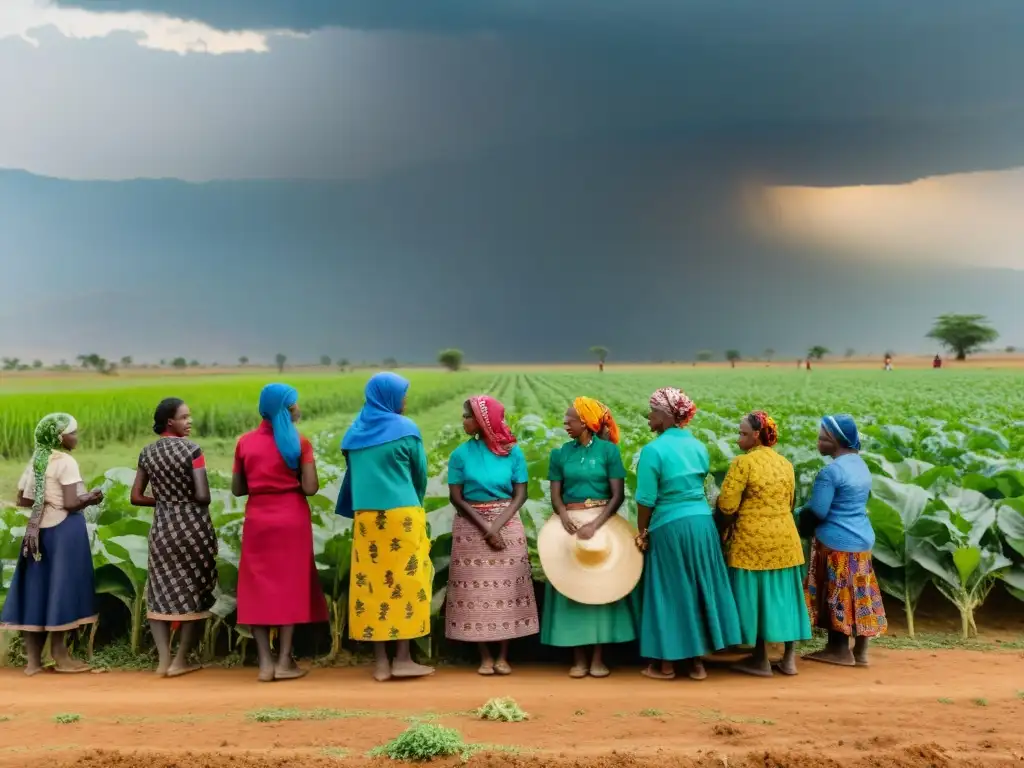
[600, 671]
[485, 669]
[578, 672]
[502, 667]
[657, 674]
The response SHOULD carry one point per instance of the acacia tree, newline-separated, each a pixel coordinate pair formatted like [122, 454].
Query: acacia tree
[818, 352]
[705, 356]
[733, 356]
[243, 361]
[963, 334]
[280, 359]
[450, 358]
[325, 360]
[769, 354]
[601, 353]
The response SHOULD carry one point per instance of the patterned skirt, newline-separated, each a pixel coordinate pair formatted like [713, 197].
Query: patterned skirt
[392, 576]
[842, 593]
[182, 563]
[490, 593]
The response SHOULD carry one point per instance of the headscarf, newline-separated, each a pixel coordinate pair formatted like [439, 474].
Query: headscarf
[48, 434]
[766, 427]
[275, 400]
[490, 415]
[380, 420]
[596, 417]
[843, 429]
[675, 403]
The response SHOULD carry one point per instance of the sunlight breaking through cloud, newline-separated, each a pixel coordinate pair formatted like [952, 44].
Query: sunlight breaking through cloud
[25, 18]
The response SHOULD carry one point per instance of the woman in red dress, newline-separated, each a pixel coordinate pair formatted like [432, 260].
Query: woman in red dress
[278, 584]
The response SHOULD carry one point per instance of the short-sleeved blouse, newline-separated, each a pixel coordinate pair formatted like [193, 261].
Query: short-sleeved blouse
[585, 470]
[483, 475]
[265, 469]
[169, 463]
[62, 470]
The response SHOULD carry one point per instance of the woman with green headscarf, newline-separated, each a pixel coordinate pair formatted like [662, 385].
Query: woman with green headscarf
[52, 590]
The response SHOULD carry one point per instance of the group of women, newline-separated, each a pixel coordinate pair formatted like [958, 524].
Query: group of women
[716, 574]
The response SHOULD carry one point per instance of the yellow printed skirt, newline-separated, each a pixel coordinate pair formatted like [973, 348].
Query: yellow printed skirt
[392, 576]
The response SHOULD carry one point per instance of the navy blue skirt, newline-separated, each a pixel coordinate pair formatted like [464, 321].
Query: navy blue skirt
[58, 592]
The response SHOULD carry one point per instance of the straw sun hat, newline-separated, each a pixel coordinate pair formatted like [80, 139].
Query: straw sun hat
[597, 571]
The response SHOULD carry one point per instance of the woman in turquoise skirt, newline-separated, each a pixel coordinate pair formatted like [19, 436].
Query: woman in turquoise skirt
[688, 607]
[763, 547]
[587, 473]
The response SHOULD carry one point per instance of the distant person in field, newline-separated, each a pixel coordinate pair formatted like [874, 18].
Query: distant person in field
[807, 364]
[587, 476]
[383, 491]
[763, 547]
[937, 362]
[53, 589]
[688, 606]
[182, 541]
[278, 584]
[490, 595]
[888, 362]
[841, 590]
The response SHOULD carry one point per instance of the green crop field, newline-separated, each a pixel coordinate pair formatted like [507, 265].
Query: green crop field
[946, 448]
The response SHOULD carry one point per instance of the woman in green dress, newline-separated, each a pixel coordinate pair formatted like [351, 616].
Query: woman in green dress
[688, 607]
[587, 473]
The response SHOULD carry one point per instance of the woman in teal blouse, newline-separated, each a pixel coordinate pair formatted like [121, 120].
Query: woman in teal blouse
[587, 473]
[490, 584]
[688, 606]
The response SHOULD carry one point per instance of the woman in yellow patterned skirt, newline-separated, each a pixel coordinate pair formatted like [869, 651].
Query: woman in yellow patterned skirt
[383, 490]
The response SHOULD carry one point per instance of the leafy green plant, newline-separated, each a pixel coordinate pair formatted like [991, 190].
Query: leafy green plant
[423, 742]
[67, 718]
[504, 710]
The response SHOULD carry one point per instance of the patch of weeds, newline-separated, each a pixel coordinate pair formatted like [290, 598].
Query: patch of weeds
[423, 742]
[1020, 695]
[928, 641]
[714, 715]
[67, 718]
[275, 715]
[979, 702]
[651, 713]
[945, 701]
[5, 718]
[119, 655]
[504, 710]
[338, 753]
[580, 712]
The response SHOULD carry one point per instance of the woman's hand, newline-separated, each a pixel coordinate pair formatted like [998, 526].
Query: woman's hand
[587, 531]
[30, 544]
[95, 497]
[495, 541]
[568, 523]
[641, 541]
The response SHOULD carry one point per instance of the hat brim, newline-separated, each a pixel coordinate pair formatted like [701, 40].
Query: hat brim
[611, 580]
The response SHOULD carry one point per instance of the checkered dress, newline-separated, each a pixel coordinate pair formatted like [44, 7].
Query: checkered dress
[182, 542]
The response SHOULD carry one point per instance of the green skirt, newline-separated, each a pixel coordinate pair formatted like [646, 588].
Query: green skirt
[568, 624]
[689, 609]
[771, 605]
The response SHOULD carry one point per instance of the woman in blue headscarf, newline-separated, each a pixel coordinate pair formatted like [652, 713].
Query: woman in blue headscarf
[278, 584]
[383, 490]
[841, 590]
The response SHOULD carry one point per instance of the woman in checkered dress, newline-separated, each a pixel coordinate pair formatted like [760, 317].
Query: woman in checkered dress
[182, 541]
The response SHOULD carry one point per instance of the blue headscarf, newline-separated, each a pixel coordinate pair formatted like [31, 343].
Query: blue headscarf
[844, 429]
[379, 422]
[275, 400]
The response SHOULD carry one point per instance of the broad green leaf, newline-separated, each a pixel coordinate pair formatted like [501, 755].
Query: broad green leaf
[1010, 520]
[967, 560]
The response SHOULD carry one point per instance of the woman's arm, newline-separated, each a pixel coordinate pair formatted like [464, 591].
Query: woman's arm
[75, 502]
[822, 494]
[730, 497]
[138, 495]
[618, 489]
[559, 506]
[308, 478]
[466, 509]
[200, 480]
[518, 499]
[239, 483]
[419, 470]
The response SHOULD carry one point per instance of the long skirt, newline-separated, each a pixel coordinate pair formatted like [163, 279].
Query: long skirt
[568, 624]
[490, 592]
[277, 580]
[182, 563]
[392, 576]
[842, 593]
[58, 592]
[689, 609]
[771, 605]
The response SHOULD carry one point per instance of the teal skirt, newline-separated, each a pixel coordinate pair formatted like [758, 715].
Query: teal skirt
[771, 605]
[689, 609]
[568, 624]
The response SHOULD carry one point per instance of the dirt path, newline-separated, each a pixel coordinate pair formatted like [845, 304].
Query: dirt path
[949, 708]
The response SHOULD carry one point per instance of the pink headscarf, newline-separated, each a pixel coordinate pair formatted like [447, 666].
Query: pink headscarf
[675, 403]
[490, 415]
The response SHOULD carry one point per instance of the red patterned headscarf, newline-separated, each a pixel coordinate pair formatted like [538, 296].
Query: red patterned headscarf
[675, 403]
[765, 427]
[490, 415]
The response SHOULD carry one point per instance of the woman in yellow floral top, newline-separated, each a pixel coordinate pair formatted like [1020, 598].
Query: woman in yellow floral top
[763, 549]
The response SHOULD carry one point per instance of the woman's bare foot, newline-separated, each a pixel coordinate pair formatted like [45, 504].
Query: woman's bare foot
[266, 674]
[287, 669]
[70, 666]
[33, 669]
[655, 673]
[410, 669]
[502, 667]
[787, 665]
[382, 671]
[577, 672]
[841, 657]
[598, 669]
[697, 671]
[486, 668]
[176, 670]
[753, 666]
[860, 652]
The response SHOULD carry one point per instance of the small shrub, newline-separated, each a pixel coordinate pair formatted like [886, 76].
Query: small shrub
[423, 742]
[67, 718]
[504, 710]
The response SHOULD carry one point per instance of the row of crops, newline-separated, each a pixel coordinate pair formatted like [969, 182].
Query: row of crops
[946, 450]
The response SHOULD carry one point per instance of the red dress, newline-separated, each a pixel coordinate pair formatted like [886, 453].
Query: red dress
[277, 580]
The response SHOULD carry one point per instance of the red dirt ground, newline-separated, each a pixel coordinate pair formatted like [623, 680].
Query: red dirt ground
[911, 708]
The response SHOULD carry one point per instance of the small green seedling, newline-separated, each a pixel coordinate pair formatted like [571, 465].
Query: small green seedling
[504, 710]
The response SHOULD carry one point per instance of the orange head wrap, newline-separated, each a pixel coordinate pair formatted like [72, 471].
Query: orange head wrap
[596, 416]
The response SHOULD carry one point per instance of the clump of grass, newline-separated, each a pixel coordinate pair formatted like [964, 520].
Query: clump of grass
[337, 753]
[67, 718]
[424, 742]
[651, 713]
[504, 710]
[945, 701]
[5, 718]
[980, 702]
[276, 715]
[119, 655]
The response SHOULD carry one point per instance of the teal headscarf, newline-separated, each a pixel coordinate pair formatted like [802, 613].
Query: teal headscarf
[48, 436]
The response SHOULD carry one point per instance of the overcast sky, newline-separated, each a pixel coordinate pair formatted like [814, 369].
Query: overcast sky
[850, 134]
